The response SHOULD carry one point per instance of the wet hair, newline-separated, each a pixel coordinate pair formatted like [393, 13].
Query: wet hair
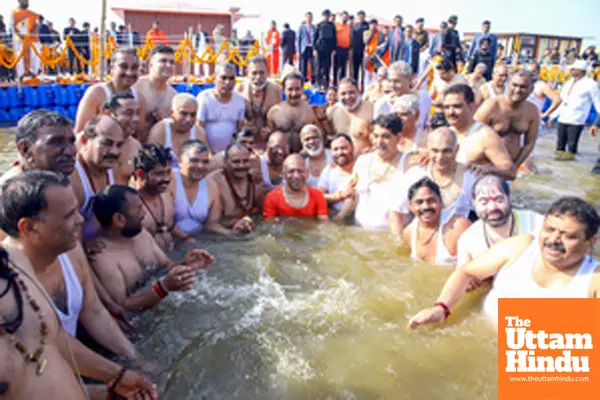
[151, 155]
[23, 197]
[193, 144]
[332, 88]
[491, 180]
[28, 126]
[446, 65]
[124, 51]
[233, 146]
[111, 200]
[244, 132]
[487, 40]
[481, 66]
[523, 73]
[461, 88]
[438, 120]
[10, 277]
[342, 135]
[424, 183]
[579, 209]
[112, 103]
[162, 49]
[292, 76]
[391, 122]
[258, 59]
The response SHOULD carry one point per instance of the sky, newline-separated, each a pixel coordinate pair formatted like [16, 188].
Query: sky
[576, 17]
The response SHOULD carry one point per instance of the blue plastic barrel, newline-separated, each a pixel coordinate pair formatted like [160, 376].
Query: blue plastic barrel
[15, 114]
[60, 95]
[31, 96]
[16, 98]
[4, 117]
[3, 99]
[46, 96]
[74, 94]
[72, 112]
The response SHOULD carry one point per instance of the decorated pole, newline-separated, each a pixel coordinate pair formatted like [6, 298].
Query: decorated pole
[102, 43]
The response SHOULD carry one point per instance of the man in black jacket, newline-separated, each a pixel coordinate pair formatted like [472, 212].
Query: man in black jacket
[72, 32]
[325, 43]
[288, 44]
[452, 49]
[358, 47]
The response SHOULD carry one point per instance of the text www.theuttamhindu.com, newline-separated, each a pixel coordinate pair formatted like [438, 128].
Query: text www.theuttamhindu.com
[548, 379]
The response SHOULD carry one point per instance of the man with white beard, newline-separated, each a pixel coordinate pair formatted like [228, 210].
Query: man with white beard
[260, 96]
[317, 156]
[352, 116]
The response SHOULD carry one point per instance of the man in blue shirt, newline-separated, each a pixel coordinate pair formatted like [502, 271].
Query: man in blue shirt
[485, 33]
[410, 49]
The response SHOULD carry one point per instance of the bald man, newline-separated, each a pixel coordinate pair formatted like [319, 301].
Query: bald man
[495, 87]
[271, 163]
[172, 132]
[515, 119]
[454, 179]
[295, 198]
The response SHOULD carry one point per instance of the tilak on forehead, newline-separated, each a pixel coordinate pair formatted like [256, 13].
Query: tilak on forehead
[489, 190]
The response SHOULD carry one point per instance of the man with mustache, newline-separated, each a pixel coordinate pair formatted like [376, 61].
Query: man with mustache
[154, 88]
[454, 180]
[271, 162]
[399, 77]
[317, 156]
[295, 198]
[221, 111]
[375, 173]
[336, 178]
[554, 265]
[181, 126]
[126, 110]
[152, 180]
[260, 95]
[352, 115]
[132, 255]
[39, 212]
[375, 90]
[45, 141]
[245, 137]
[479, 146]
[413, 138]
[291, 115]
[495, 87]
[240, 196]
[429, 237]
[497, 219]
[445, 76]
[99, 154]
[515, 119]
[124, 71]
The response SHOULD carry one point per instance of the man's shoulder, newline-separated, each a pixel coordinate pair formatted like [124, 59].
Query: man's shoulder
[315, 193]
[275, 194]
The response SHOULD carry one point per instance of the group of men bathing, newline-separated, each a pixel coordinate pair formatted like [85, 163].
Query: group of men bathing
[88, 216]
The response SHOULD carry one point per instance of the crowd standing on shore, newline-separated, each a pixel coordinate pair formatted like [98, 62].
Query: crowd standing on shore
[89, 214]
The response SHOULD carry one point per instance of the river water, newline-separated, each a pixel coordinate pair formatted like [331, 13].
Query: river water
[305, 311]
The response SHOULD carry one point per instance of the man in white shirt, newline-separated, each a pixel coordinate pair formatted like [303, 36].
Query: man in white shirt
[577, 96]
[336, 178]
[221, 111]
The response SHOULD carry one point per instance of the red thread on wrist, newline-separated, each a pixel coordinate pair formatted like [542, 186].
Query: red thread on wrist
[444, 307]
[160, 290]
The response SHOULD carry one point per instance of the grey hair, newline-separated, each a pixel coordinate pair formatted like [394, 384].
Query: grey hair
[309, 127]
[481, 66]
[224, 66]
[28, 126]
[258, 59]
[404, 68]
[409, 102]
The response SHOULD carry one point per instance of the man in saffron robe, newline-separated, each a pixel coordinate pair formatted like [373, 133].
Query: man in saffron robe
[273, 43]
[24, 24]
